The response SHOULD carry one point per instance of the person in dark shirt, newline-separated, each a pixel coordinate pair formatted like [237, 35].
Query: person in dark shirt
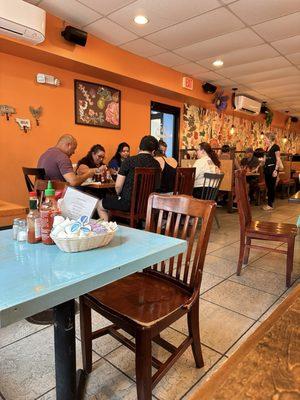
[250, 161]
[125, 177]
[272, 164]
[123, 152]
[93, 159]
[57, 163]
[168, 167]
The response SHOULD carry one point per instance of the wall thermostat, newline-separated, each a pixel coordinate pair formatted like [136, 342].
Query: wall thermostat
[48, 79]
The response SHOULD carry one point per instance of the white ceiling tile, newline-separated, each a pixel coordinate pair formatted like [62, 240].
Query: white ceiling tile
[257, 66]
[70, 11]
[169, 59]
[190, 68]
[206, 26]
[221, 44]
[289, 45]
[279, 28]
[209, 76]
[284, 98]
[294, 58]
[262, 76]
[281, 90]
[110, 32]
[160, 13]
[35, 2]
[105, 7]
[142, 47]
[224, 82]
[227, 1]
[241, 56]
[275, 82]
[256, 11]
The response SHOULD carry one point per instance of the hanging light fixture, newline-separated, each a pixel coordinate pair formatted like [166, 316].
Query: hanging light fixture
[284, 140]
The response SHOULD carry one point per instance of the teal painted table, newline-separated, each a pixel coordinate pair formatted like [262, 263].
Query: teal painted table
[36, 277]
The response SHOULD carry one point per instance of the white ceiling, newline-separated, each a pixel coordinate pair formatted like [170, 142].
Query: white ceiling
[258, 40]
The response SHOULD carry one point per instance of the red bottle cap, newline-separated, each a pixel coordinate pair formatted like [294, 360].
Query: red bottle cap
[31, 194]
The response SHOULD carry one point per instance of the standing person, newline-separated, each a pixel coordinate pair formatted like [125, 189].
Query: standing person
[207, 162]
[125, 177]
[272, 164]
[168, 167]
[57, 163]
[123, 152]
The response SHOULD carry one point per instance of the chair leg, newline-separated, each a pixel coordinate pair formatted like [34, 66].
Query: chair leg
[194, 332]
[289, 261]
[247, 251]
[86, 336]
[241, 256]
[143, 365]
[217, 221]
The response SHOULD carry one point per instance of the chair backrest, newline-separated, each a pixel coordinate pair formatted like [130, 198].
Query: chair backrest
[287, 165]
[38, 173]
[211, 186]
[182, 214]
[146, 181]
[242, 198]
[184, 180]
[228, 181]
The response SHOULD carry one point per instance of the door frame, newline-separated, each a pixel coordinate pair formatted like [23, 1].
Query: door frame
[166, 108]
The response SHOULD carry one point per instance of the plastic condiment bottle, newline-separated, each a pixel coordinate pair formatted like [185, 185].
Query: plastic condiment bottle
[33, 220]
[48, 210]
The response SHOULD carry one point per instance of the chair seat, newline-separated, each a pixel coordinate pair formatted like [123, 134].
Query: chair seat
[286, 181]
[272, 228]
[141, 297]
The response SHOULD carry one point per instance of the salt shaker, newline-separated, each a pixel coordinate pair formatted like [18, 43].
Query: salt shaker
[22, 232]
[15, 228]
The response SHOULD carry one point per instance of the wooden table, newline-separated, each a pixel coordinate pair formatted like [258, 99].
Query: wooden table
[295, 198]
[10, 211]
[99, 185]
[36, 277]
[267, 365]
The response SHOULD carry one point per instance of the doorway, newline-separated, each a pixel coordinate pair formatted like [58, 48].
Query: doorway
[165, 126]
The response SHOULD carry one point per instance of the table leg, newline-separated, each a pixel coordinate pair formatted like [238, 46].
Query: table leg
[69, 384]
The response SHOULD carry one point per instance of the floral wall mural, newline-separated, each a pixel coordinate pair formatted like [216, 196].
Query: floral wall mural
[207, 125]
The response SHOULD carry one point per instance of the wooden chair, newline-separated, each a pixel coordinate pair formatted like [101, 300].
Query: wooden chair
[38, 173]
[263, 230]
[227, 184]
[210, 189]
[184, 181]
[146, 181]
[145, 303]
[286, 182]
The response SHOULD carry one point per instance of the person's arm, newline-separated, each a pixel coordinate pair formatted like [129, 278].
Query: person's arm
[82, 169]
[76, 180]
[161, 162]
[200, 169]
[120, 183]
[279, 164]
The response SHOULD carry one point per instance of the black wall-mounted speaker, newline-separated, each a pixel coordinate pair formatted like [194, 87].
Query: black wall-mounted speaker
[74, 35]
[209, 88]
[294, 119]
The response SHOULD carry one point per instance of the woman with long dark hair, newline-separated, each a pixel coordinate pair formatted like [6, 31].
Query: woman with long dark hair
[207, 162]
[93, 159]
[123, 152]
[272, 166]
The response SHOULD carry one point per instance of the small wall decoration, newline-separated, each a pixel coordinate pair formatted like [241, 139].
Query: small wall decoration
[7, 110]
[97, 105]
[220, 101]
[24, 124]
[36, 113]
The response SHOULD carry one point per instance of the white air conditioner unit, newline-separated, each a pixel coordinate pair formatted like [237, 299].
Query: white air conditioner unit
[21, 20]
[245, 104]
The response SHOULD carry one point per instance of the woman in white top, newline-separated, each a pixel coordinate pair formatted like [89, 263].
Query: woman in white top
[207, 162]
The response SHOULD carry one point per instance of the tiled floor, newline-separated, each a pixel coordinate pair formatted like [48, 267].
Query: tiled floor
[231, 308]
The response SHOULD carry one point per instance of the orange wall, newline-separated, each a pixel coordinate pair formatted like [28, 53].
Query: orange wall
[18, 89]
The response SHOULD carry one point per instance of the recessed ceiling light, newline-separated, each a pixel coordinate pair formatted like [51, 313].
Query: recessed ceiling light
[218, 63]
[141, 20]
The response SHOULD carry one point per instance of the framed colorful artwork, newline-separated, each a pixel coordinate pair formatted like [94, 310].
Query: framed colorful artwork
[97, 105]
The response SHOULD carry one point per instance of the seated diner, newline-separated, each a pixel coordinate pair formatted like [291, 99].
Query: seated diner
[123, 152]
[207, 161]
[124, 183]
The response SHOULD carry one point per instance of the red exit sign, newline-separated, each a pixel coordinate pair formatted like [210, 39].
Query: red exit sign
[187, 83]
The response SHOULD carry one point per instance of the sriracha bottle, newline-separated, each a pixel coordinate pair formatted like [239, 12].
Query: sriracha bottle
[48, 210]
